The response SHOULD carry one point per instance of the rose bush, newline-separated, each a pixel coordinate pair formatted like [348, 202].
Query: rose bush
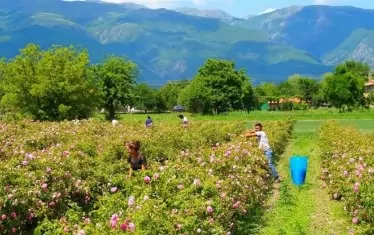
[71, 178]
[349, 170]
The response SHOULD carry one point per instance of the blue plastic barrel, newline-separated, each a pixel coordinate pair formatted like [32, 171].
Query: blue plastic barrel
[298, 167]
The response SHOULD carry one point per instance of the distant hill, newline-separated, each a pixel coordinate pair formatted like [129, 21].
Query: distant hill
[359, 45]
[171, 45]
[333, 34]
[214, 14]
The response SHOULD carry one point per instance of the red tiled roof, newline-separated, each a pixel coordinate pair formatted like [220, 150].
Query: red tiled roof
[370, 83]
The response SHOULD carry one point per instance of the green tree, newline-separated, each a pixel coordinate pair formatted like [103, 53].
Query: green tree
[171, 91]
[116, 78]
[346, 85]
[269, 91]
[145, 97]
[49, 85]
[287, 89]
[222, 85]
[358, 69]
[161, 104]
[307, 88]
[345, 89]
[248, 97]
[259, 97]
[196, 96]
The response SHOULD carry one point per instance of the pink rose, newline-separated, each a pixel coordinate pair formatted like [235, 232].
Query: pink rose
[81, 232]
[44, 186]
[147, 179]
[131, 226]
[123, 226]
[113, 223]
[236, 205]
[13, 215]
[197, 182]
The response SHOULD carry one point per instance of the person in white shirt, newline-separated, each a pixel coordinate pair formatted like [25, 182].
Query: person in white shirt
[184, 120]
[263, 144]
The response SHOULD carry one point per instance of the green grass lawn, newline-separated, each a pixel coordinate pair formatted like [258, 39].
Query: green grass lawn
[319, 114]
[366, 125]
[306, 121]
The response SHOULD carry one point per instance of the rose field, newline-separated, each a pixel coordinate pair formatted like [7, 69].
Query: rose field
[67, 178]
[348, 160]
[73, 177]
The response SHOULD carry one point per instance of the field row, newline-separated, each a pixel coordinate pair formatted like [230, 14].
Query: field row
[349, 171]
[66, 178]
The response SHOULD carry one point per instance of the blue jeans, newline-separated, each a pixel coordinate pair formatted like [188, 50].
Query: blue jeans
[269, 156]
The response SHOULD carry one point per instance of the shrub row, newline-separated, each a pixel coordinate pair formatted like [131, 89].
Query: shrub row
[66, 178]
[349, 170]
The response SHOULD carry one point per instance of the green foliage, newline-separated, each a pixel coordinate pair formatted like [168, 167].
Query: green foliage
[248, 97]
[345, 87]
[359, 69]
[49, 85]
[287, 89]
[307, 88]
[145, 97]
[59, 84]
[148, 99]
[171, 91]
[218, 87]
[116, 77]
[196, 97]
[268, 91]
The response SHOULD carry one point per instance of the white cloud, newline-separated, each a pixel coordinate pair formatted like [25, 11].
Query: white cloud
[168, 3]
[267, 11]
[199, 2]
[324, 2]
[148, 3]
[158, 3]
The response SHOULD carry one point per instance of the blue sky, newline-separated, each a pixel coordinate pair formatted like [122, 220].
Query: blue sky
[245, 7]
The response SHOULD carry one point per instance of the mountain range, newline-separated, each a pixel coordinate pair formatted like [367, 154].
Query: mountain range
[172, 44]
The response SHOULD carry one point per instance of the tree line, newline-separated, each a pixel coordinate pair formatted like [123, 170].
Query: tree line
[60, 83]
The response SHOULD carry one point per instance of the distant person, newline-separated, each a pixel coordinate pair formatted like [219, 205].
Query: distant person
[149, 122]
[136, 160]
[184, 120]
[263, 144]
